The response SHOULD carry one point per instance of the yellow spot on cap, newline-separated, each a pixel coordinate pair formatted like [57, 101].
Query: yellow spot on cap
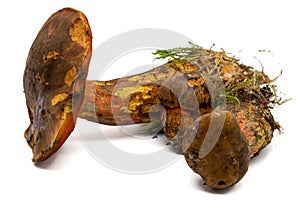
[51, 55]
[58, 98]
[70, 76]
[79, 32]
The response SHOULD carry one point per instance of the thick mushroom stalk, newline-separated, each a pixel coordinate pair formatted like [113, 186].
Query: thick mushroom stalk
[54, 80]
[129, 100]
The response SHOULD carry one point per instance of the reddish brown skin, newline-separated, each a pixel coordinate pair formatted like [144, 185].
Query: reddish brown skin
[105, 103]
[54, 80]
[253, 114]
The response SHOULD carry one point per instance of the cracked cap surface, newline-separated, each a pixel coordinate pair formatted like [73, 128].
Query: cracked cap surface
[54, 80]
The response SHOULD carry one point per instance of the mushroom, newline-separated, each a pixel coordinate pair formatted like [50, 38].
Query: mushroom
[219, 152]
[57, 93]
[54, 80]
[55, 86]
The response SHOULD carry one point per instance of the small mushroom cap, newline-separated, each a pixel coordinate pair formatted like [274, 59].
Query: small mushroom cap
[220, 156]
[54, 80]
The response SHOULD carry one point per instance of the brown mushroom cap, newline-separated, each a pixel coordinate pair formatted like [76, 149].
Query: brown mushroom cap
[227, 158]
[54, 80]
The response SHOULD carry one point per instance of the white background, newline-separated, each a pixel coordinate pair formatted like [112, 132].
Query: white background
[73, 173]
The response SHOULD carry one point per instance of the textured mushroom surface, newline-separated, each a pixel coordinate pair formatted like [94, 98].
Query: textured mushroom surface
[54, 80]
[219, 151]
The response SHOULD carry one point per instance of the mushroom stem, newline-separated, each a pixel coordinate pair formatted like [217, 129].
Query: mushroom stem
[131, 100]
[126, 100]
